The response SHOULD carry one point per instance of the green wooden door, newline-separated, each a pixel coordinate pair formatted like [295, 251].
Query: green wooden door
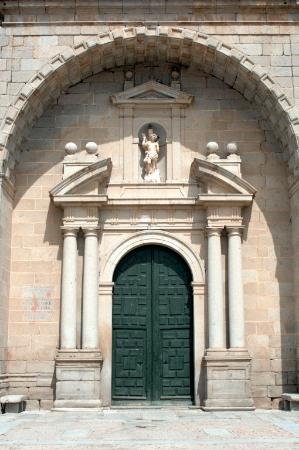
[152, 358]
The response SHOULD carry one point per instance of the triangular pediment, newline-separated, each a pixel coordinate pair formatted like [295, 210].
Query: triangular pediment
[152, 92]
[85, 185]
[220, 184]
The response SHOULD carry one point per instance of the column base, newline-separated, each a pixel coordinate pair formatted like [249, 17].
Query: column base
[228, 380]
[78, 379]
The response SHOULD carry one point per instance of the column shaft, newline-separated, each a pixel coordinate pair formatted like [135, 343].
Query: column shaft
[90, 291]
[235, 286]
[215, 290]
[68, 290]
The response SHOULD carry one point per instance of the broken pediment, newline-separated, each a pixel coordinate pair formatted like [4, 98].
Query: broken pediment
[87, 185]
[152, 92]
[220, 185]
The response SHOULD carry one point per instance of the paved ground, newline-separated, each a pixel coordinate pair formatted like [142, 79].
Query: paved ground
[150, 429]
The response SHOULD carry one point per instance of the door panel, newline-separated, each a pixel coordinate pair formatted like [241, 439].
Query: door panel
[131, 313]
[152, 327]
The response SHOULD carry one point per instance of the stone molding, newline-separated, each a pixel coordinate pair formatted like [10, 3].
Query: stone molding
[165, 95]
[158, 237]
[73, 356]
[77, 10]
[121, 47]
[211, 172]
[63, 191]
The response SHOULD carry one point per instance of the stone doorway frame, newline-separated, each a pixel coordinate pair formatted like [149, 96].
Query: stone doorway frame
[108, 265]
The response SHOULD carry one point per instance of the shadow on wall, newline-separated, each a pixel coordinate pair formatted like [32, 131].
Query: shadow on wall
[270, 309]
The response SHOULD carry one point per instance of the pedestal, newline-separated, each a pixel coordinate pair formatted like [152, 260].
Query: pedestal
[78, 379]
[228, 380]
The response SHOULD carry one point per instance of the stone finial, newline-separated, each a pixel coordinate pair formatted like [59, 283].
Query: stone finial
[232, 148]
[212, 151]
[129, 75]
[175, 74]
[91, 148]
[175, 79]
[129, 79]
[71, 148]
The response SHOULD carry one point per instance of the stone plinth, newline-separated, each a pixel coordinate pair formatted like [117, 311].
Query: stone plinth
[228, 380]
[78, 379]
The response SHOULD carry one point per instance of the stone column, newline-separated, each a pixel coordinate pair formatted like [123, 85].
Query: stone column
[90, 336]
[68, 290]
[235, 288]
[215, 290]
[227, 370]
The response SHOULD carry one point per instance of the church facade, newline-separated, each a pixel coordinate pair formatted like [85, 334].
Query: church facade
[149, 203]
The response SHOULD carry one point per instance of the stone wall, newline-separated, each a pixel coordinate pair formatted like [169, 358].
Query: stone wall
[32, 33]
[268, 33]
[84, 113]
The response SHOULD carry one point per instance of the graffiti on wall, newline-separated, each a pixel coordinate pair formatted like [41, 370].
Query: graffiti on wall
[38, 303]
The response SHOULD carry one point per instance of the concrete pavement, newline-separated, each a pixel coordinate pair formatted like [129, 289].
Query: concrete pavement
[166, 429]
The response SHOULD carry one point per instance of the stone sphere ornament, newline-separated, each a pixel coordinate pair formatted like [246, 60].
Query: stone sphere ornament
[232, 148]
[91, 148]
[212, 147]
[71, 148]
[175, 75]
[129, 75]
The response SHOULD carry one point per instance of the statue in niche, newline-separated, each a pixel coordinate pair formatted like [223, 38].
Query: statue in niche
[151, 148]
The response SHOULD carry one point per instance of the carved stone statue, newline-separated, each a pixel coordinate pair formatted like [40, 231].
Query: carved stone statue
[151, 148]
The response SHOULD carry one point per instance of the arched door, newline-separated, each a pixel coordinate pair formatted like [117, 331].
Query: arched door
[152, 358]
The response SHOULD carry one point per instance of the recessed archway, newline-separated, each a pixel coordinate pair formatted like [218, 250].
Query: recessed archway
[107, 267]
[138, 44]
[152, 328]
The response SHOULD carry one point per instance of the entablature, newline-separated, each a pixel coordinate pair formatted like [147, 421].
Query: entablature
[215, 197]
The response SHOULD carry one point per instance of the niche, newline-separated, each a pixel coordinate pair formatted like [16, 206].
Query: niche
[148, 129]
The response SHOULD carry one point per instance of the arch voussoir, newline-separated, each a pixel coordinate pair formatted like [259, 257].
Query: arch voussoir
[132, 45]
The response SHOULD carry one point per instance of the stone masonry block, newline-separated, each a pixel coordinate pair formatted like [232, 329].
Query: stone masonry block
[38, 393]
[251, 49]
[282, 61]
[46, 404]
[32, 405]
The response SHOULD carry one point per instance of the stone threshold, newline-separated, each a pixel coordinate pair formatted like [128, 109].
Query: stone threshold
[227, 408]
[127, 407]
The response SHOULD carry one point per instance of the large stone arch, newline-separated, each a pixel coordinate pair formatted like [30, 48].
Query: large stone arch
[158, 43]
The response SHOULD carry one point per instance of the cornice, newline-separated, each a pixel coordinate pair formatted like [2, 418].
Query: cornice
[102, 6]
[100, 169]
[202, 169]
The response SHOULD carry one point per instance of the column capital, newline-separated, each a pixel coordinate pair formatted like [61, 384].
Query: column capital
[213, 231]
[69, 231]
[90, 231]
[235, 230]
